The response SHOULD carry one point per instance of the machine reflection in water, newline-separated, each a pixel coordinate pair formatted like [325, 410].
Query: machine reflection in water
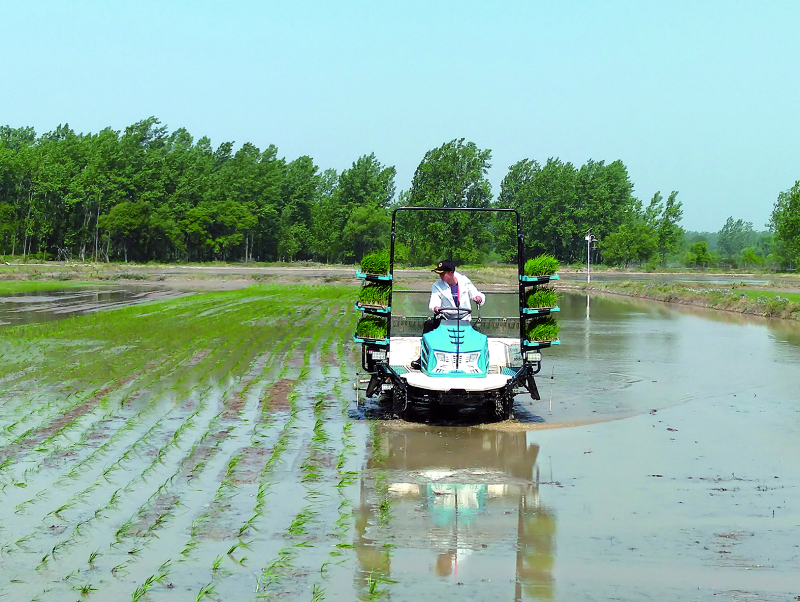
[454, 505]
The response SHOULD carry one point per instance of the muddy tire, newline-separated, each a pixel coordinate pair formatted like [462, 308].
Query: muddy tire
[504, 406]
[399, 402]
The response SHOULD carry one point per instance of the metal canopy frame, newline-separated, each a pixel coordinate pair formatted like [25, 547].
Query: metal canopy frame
[520, 253]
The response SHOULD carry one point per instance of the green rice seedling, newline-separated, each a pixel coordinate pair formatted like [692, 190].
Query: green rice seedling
[376, 263]
[216, 564]
[298, 526]
[542, 296]
[374, 294]
[236, 546]
[93, 556]
[371, 327]
[541, 265]
[120, 568]
[85, 589]
[317, 593]
[207, 591]
[384, 511]
[543, 329]
[139, 593]
[320, 436]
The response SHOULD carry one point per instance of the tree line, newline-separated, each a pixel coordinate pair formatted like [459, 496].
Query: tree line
[147, 194]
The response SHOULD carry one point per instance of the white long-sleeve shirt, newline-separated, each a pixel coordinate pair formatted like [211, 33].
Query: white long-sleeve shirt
[442, 297]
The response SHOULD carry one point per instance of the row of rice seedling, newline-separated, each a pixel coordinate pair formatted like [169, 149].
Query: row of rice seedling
[373, 579]
[218, 574]
[123, 497]
[310, 525]
[132, 452]
[135, 535]
[75, 404]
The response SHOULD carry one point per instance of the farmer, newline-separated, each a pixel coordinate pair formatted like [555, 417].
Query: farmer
[452, 290]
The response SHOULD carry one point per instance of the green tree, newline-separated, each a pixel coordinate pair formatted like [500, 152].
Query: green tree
[785, 222]
[670, 234]
[559, 203]
[126, 222]
[633, 242]
[452, 175]
[750, 258]
[734, 236]
[362, 197]
[699, 255]
[300, 190]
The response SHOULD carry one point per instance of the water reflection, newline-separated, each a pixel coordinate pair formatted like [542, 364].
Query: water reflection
[454, 503]
[50, 305]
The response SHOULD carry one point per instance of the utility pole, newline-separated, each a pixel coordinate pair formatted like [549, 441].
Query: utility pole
[590, 239]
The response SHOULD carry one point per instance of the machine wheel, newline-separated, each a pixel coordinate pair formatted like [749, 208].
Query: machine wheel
[504, 406]
[399, 402]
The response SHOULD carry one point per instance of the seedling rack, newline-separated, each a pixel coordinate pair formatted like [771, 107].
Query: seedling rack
[527, 313]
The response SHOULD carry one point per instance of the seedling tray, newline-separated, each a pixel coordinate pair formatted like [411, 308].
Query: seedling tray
[538, 279]
[372, 341]
[363, 276]
[379, 309]
[540, 311]
[541, 344]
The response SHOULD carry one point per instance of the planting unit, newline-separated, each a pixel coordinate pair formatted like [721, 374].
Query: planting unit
[460, 365]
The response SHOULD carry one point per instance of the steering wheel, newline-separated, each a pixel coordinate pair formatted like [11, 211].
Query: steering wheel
[461, 312]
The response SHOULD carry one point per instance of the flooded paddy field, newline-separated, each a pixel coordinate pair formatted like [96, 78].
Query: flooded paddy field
[209, 447]
[56, 304]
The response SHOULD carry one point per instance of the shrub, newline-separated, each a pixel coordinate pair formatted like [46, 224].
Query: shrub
[376, 263]
[542, 265]
[543, 296]
[543, 329]
[371, 327]
[374, 294]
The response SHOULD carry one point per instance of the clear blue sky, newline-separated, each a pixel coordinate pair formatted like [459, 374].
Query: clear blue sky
[699, 97]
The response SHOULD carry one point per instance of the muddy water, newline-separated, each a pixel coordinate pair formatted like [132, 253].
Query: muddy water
[675, 475]
[45, 306]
